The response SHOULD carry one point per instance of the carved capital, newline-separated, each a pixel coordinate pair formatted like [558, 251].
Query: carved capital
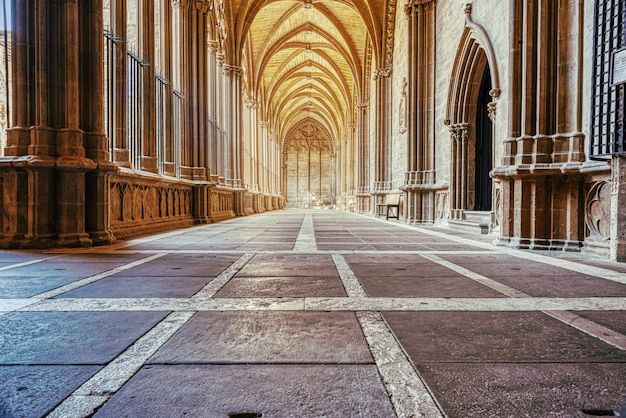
[383, 73]
[180, 3]
[495, 93]
[232, 70]
[212, 47]
[414, 6]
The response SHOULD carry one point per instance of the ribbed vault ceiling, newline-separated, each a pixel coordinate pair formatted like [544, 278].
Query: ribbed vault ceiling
[307, 58]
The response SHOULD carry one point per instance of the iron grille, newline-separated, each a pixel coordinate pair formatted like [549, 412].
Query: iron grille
[608, 102]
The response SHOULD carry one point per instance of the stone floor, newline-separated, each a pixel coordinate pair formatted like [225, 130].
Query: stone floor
[311, 314]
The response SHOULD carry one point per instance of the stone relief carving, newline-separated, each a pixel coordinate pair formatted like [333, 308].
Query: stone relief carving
[403, 111]
[441, 206]
[131, 203]
[598, 211]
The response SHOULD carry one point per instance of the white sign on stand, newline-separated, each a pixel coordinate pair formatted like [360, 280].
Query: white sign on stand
[618, 67]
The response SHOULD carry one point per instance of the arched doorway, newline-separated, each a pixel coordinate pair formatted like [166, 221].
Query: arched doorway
[474, 90]
[483, 158]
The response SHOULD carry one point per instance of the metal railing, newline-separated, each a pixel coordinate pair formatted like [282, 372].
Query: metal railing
[608, 102]
[167, 107]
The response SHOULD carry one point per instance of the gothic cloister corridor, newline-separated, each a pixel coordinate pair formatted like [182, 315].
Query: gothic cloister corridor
[316, 313]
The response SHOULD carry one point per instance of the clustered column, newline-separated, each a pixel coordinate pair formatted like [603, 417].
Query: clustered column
[383, 131]
[56, 125]
[541, 173]
[420, 177]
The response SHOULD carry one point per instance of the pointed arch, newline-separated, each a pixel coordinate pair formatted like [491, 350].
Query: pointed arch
[474, 52]
[475, 67]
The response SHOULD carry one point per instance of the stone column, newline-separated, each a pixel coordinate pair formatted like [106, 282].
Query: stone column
[213, 110]
[363, 185]
[146, 51]
[121, 154]
[618, 208]
[97, 222]
[383, 128]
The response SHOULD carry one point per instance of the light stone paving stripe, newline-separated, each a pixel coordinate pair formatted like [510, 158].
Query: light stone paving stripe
[306, 237]
[465, 304]
[79, 283]
[28, 263]
[588, 327]
[9, 305]
[224, 277]
[408, 393]
[497, 286]
[97, 390]
[328, 304]
[78, 407]
[165, 304]
[565, 264]
[349, 280]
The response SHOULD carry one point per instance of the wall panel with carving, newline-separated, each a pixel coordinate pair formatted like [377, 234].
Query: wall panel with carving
[140, 205]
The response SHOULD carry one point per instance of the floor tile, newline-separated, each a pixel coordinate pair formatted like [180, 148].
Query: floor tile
[273, 391]
[33, 391]
[71, 338]
[267, 337]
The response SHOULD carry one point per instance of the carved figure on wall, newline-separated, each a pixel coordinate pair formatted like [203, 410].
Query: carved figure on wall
[403, 110]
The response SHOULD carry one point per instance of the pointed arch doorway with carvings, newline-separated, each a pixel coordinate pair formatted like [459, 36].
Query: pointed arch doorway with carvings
[309, 158]
[474, 89]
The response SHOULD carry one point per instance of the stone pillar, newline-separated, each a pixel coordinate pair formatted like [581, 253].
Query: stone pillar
[383, 129]
[363, 183]
[146, 50]
[618, 208]
[121, 154]
[212, 110]
[97, 222]
[233, 77]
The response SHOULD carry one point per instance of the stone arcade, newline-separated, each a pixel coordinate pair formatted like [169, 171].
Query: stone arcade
[142, 115]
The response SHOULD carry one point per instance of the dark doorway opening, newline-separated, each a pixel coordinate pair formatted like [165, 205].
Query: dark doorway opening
[484, 147]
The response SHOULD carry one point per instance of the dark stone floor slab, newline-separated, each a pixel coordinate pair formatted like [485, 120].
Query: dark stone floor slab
[118, 259]
[264, 247]
[273, 391]
[339, 247]
[267, 337]
[141, 287]
[211, 247]
[393, 286]
[48, 338]
[402, 270]
[284, 265]
[70, 270]
[495, 337]
[33, 391]
[204, 265]
[385, 259]
[282, 287]
[569, 286]
[24, 287]
[526, 390]
[13, 257]
[615, 320]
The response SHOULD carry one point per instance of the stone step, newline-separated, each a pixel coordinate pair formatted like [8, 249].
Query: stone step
[469, 226]
[477, 216]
